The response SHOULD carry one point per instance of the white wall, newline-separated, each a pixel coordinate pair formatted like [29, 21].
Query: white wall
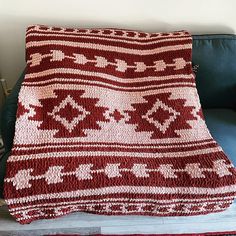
[198, 16]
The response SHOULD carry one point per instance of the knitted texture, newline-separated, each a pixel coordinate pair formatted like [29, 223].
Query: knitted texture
[109, 122]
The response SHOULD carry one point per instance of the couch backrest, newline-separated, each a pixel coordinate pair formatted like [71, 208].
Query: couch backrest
[216, 75]
[216, 79]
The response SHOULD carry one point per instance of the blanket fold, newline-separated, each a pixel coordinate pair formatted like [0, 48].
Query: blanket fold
[109, 122]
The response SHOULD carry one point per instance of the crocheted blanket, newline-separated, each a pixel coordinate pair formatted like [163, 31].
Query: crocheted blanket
[109, 122]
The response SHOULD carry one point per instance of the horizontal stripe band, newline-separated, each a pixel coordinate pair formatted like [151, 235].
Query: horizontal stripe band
[153, 146]
[112, 36]
[79, 148]
[150, 200]
[116, 203]
[32, 36]
[189, 85]
[102, 75]
[107, 47]
[126, 189]
[123, 83]
[58, 80]
[18, 157]
[28, 219]
[174, 144]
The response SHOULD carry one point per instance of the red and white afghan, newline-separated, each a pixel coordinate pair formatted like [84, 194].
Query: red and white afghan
[109, 122]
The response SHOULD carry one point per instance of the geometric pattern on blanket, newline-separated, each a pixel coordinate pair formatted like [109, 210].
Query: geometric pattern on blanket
[109, 122]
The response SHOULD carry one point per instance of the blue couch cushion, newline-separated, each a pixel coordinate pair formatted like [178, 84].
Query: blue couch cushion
[216, 82]
[222, 125]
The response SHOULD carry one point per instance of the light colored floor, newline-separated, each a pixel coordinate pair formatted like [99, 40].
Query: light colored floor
[83, 223]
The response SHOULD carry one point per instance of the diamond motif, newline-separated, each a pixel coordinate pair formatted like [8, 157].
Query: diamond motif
[69, 125]
[117, 115]
[158, 116]
[71, 116]
[153, 116]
